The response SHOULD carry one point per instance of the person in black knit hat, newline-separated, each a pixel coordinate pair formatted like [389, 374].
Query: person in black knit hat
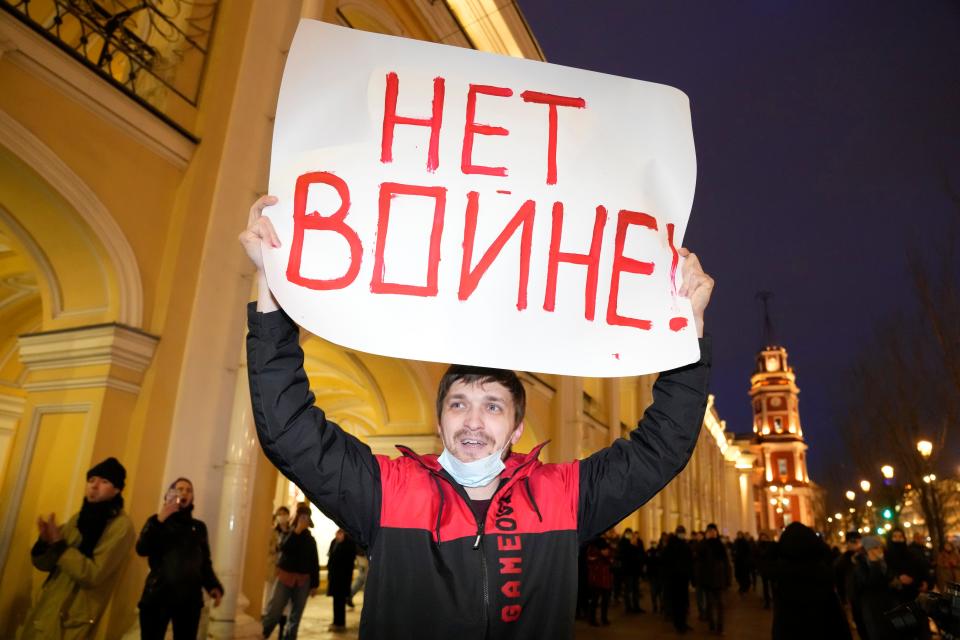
[83, 557]
[178, 550]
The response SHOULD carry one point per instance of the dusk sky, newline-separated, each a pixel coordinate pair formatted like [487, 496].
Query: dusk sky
[825, 132]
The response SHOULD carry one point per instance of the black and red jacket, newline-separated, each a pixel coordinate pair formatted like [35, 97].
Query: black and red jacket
[435, 572]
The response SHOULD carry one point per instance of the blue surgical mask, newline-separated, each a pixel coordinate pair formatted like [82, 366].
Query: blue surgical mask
[478, 473]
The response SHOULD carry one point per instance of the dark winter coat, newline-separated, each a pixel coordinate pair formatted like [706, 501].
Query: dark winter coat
[340, 560]
[436, 570]
[676, 562]
[713, 565]
[599, 565]
[900, 561]
[178, 553]
[298, 554]
[631, 558]
[874, 594]
[805, 604]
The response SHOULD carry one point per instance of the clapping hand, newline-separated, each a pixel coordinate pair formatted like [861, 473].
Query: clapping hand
[49, 529]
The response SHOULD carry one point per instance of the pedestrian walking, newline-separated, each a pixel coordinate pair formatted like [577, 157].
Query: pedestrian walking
[699, 595]
[362, 566]
[178, 551]
[713, 576]
[83, 558]
[677, 570]
[631, 565]
[599, 579]
[653, 574]
[298, 576]
[742, 556]
[281, 527]
[923, 556]
[843, 569]
[908, 568]
[766, 552]
[805, 603]
[874, 590]
[340, 560]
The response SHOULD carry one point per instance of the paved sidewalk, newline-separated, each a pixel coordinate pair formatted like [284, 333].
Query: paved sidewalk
[746, 620]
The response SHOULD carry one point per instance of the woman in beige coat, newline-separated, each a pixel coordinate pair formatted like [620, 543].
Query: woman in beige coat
[83, 557]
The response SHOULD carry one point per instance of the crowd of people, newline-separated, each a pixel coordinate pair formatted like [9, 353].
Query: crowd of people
[814, 590]
[798, 575]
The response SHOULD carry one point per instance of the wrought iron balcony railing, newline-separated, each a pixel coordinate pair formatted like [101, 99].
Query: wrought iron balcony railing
[153, 50]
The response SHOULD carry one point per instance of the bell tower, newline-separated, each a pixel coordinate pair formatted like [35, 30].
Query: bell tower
[778, 437]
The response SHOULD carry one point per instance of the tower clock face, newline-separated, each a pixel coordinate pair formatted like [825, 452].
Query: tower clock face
[773, 363]
[776, 401]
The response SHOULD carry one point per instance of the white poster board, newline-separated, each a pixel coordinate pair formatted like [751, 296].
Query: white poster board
[442, 204]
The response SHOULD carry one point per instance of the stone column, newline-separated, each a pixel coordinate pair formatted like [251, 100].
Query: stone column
[228, 620]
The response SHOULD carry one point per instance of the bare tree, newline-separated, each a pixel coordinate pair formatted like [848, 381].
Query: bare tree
[906, 385]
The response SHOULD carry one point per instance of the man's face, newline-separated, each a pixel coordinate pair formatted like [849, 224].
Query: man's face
[100, 489]
[854, 545]
[711, 534]
[897, 536]
[875, 554]
[477, 420]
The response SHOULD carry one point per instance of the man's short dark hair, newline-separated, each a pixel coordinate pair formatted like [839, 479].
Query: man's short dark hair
[482, 375]
[852, 536]
[713, 526]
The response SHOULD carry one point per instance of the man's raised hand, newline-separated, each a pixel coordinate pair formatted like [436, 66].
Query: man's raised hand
[697, 286]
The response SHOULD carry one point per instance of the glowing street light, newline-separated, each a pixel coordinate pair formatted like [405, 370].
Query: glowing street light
[925, 447]
[838, 515]
[865, 485]
[869, 503]
[887, 471]
[851, 496]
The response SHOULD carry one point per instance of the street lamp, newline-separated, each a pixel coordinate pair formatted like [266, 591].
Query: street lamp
[851, 496]
[779, 499]
[865, 485]
[925, 447]
[887, 471]
[838, 516]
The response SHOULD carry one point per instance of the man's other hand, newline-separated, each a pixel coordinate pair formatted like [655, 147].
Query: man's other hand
[697, 286]
[259, 231]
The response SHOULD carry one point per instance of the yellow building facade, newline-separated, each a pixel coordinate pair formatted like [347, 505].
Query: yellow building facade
[127, 166]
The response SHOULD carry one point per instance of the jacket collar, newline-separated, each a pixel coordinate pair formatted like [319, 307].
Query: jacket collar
[519, 464]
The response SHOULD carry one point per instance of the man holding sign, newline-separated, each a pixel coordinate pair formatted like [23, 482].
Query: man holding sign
[479, 542]
[399, 190]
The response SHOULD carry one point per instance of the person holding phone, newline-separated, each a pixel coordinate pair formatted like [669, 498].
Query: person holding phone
[178, 551]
